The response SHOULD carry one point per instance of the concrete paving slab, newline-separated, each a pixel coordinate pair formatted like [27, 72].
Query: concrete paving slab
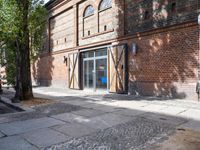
[97, 103]
[105, 108]
[74, 129]
[175, 121]
[129, 112]
[88, 112]
[106, 121]
[193, 125]
[92, 105]
[28, 125]
[172, 110]
[69, 117]
[191, 114]
[77, 102]
[15, 143]
[153, 108]
[102, 102]
[45, 137]
[129, 104]
[1, 135]
[183, 103]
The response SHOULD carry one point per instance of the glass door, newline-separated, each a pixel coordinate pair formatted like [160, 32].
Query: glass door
[88, 67]
[101, 74]
[95, 70]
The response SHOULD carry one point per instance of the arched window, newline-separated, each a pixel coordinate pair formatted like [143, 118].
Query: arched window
[88, 11]
[105, 4]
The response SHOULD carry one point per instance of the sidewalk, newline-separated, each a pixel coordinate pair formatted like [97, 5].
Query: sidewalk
[173, 107]
[189, 110]
[81, 120]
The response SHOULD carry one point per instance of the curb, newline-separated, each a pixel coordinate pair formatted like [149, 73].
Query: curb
[16, 106]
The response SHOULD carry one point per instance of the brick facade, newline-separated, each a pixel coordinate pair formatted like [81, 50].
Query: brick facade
[160, 13]
[166, 63]
[164, 31]
[61, 31]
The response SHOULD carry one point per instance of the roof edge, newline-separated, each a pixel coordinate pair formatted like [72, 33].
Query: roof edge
[49, 3]
[52, 3]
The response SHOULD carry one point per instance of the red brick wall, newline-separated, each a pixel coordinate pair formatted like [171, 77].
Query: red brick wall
[166, 62]
[105, 19]
[95, 23]
[167, 58]
[90, 25]
[51, 70]
[160, 14]
[62, 31]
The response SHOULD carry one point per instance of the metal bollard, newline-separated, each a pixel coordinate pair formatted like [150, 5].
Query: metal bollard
[1, 90]
[198, 89]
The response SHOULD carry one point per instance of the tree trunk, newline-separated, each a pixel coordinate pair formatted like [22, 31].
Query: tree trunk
[23, 78]
[18, 86]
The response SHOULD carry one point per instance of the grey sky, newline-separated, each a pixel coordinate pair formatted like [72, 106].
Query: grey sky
[45, 1]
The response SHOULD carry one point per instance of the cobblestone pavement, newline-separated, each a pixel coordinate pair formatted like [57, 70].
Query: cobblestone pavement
[136, 134]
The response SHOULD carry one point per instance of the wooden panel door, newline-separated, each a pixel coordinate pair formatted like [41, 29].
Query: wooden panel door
[118, 73]
[74, 80]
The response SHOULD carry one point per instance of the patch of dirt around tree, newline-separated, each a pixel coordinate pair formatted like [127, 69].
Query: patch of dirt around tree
[37, 102]
[182, 140]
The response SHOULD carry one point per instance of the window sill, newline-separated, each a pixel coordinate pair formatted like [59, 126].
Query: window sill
[97, 34]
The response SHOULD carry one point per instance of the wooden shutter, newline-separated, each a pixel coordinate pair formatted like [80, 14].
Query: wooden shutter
[74, 81]
[118, 73]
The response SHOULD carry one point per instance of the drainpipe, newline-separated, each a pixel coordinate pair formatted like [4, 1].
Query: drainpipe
[198, 82]
[0, 78]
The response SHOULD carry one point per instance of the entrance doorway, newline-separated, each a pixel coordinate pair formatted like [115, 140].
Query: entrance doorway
[95, 70]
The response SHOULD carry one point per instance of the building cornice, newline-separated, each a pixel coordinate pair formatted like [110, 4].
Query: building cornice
[52, 3]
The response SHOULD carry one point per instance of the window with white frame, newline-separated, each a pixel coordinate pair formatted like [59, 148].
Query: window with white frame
[105, 4]
[105, 16]
[88, 11]
[88, 21]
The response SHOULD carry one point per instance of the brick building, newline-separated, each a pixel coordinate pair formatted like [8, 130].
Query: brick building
[140, 47]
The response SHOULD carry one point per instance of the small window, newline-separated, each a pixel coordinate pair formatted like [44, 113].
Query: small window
[105, 4]
[65, 40]
[146, 15]
[173, 8]
[105, 28]
[88, 33]
[88, 11]
[57, 42]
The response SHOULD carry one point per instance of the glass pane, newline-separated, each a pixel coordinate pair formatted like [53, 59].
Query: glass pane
[88, 54]
[105, 4]
[89, 11]
[101, 73]
[89, 74]
[101, 52]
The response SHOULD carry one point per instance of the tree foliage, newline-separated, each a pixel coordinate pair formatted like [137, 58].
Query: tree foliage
[21, 34]
[37, 26]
